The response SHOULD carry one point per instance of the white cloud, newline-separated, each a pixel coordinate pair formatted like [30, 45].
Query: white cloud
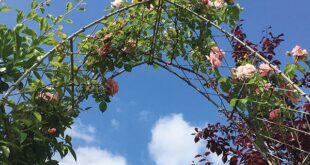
[173, 144]
[82, 132]
[115, 123]
[94, 156]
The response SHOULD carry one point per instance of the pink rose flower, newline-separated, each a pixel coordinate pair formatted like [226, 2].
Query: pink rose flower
[47, 96]
[131, 44]
[268, 86]
[117, 3]
[107, 37]
[265, 70]
[217, 3]
[299, 53]
[244, 72]
[217, 52]
[104, 50]
[215, 62]
[215, 57]
[274, 114]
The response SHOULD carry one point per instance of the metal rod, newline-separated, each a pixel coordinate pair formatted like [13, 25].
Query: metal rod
[72, 72]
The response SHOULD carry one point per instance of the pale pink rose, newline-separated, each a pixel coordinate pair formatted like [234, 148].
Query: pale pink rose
[217, 3]
[244, 72]
[131, 44]
[257, 91]
[215, 57]
[117, 3]
[107, 37]
[268, 86]
[299, 53]
[47, 96]
[217, 52]
[265, 70]
[215, 62]
[274, 114]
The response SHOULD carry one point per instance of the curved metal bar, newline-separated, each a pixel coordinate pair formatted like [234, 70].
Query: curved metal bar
[245, 45]
[42, 58]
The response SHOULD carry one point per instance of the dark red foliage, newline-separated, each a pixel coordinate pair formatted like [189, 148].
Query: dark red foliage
[307, 107]
[266, 46]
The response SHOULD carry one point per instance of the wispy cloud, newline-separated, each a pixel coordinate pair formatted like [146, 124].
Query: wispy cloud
[115, 123]
[82, 132]
[94, 156]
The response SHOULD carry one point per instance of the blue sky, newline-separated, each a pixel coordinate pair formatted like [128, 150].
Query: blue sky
[150, 120]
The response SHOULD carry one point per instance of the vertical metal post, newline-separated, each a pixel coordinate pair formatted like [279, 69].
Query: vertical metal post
[72, 72]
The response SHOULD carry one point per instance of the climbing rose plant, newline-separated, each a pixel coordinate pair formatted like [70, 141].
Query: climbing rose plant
[41, 90]
[275, 119]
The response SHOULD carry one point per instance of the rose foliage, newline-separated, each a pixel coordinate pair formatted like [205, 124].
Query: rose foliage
[41, 89]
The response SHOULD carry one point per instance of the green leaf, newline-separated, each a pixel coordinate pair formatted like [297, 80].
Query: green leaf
[68, 21]
[68, 7]
[34, 4]
[308, 63]
[128, 67]
[68, 139]
[243, 101]
[155, 66]
[72, 152]
[3, 86]
[56, 64]
[6, 151]
[38, 116]
[30, 32]
[43, 24]
[32, 14]
[290, 69]
[5, 9]
[233, 102]
[20, 16]
[103, 106]
[23, 137]
[58, 19]
[301, 69]
[82, 9]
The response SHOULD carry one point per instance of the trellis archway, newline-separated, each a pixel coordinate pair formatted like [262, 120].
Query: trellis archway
[177, 38]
